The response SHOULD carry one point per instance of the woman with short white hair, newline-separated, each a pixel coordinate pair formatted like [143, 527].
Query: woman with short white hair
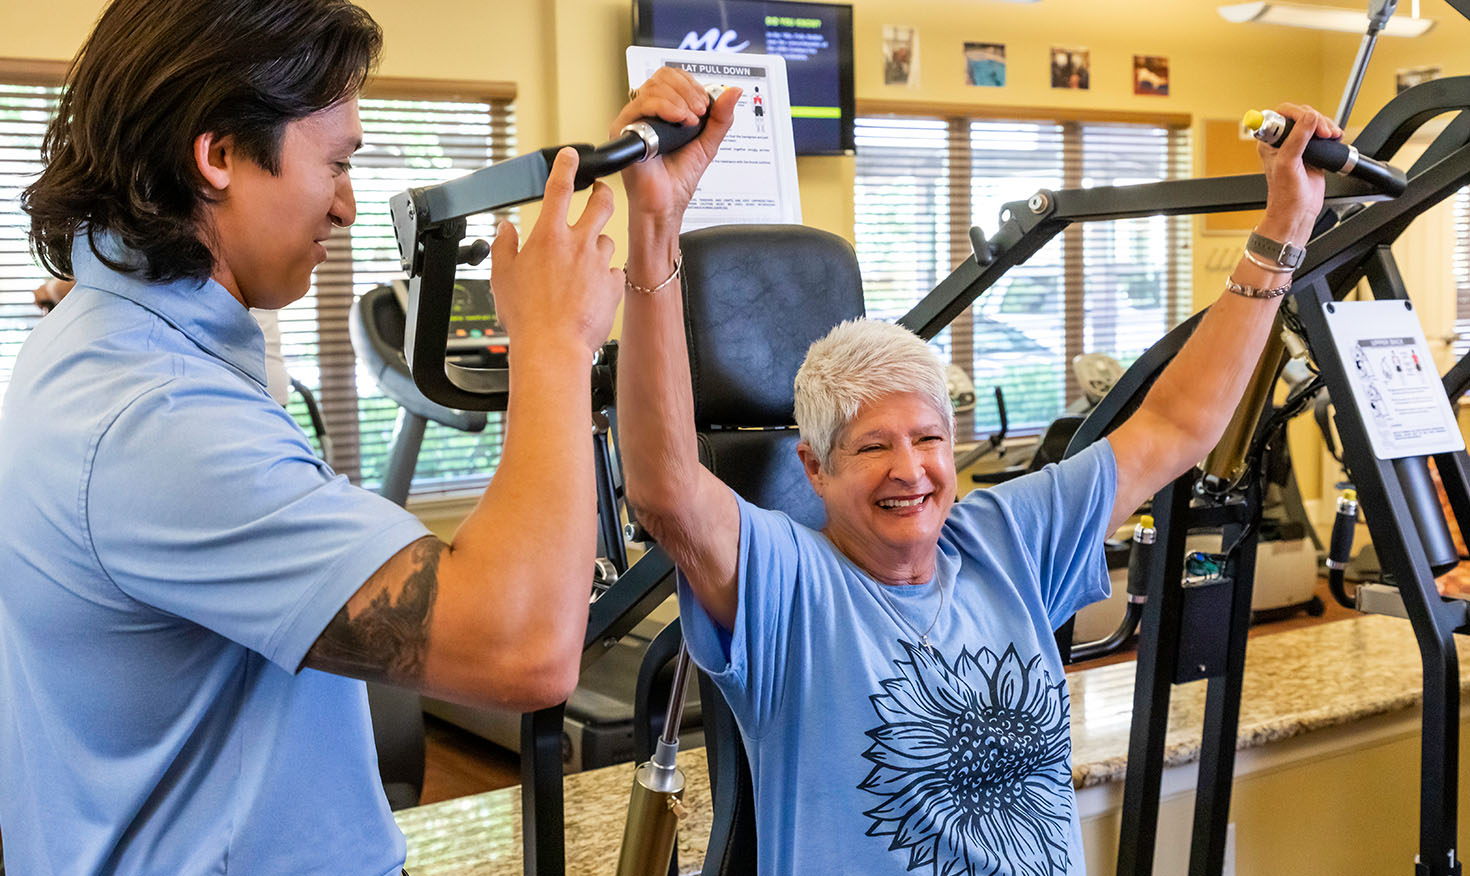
[860, 361]
[894, 675]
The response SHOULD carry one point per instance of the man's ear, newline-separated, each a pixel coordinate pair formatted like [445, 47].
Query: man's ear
[214, 157]
[813, 466]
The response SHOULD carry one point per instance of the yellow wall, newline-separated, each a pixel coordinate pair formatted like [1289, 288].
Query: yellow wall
[1337, 802]
[1445, 46]
[566, 58]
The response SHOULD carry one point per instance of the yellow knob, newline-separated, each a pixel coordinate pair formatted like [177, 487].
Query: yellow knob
[1146, 521]
[1350, 495]
[1253, 119]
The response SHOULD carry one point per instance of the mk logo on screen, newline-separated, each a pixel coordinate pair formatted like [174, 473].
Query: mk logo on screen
[714, 40]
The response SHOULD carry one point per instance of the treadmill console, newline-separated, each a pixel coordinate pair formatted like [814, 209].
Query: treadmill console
[473, 326]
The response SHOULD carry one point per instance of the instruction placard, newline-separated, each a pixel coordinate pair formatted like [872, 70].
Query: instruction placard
[1395, 384]
[753, 176]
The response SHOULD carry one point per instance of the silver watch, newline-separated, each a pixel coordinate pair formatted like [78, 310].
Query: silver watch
[1283, 255]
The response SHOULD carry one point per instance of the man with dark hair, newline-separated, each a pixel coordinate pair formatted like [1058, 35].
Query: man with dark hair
[184, 582]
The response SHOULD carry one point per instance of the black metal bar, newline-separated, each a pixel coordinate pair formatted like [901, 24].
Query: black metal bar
[1222, 706]
[1457, 379]
[543, 839]
[1158, 657]
[1454, 475]
[609, 525]
[1455, 135]
[1341, 252]
[1382, 272]
[645, 586]
[968, 280]
[1026, 226]
[1393, 125]
[1402, 554]
[403, 456]
[1347, 244]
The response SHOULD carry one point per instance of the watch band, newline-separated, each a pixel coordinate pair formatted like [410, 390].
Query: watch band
[1255, 292]
[1283, 255]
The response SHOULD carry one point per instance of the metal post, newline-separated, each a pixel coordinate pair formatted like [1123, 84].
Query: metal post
[1222, 705]
[403, 457]
[1401, 551]
[543, 839]
[1158, 657]
[609, 525]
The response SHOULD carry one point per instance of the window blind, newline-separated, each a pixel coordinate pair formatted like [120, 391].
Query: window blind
[1462, 272]
[408, 142]
[1102, 287]
[25, 111]
[411, 139]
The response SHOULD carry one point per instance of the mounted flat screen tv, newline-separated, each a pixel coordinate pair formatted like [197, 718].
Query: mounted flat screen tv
[814, 38]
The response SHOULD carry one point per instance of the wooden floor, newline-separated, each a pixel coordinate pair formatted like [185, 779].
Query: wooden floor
[460, 763]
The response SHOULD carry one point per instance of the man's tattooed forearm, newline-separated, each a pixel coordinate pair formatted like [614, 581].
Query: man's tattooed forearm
[388, 638]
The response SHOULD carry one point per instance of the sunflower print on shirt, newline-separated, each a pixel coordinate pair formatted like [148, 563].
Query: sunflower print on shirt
[972, 762]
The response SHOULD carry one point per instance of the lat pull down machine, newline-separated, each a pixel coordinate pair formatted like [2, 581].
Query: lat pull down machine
[1199, 632]
[430, 224]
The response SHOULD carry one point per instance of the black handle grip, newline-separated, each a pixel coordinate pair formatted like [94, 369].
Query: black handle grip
[594, 162]
[672, 136]
[1335, 156]
[1138, 565]
[1326, 154]
[1340, 548]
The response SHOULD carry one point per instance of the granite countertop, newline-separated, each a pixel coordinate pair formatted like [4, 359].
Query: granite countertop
[1295, 682]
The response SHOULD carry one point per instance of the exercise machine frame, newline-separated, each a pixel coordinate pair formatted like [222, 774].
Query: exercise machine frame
[1343, 253]
[1182, 638]
[430, 225]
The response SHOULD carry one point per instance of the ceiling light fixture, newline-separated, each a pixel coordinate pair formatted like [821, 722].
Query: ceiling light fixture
[1320, 18]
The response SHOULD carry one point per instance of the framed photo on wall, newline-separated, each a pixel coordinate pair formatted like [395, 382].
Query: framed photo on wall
[900, 55]
[1071, 68]
[1407, 78]
[985, 64]
[1151, 75]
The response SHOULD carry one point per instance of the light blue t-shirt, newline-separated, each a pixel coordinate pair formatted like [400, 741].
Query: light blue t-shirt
[871, 754]
[172, 549]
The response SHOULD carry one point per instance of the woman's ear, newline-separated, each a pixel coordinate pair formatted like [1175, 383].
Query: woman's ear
[813, 466]
[214, 156]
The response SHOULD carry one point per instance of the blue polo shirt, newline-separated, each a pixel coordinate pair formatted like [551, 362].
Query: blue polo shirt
[171, 549]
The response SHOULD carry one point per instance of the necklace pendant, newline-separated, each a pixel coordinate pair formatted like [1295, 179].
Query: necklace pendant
[927, 645]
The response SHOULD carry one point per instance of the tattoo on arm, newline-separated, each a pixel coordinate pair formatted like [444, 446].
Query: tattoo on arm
[386, 639]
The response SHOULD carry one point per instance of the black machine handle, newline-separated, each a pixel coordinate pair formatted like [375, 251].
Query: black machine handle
[1333, 156]
[429, 223]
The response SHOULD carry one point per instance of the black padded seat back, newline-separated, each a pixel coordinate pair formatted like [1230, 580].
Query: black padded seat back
[1054, 441]
[732, 840]
[762, 466]
[755, 297]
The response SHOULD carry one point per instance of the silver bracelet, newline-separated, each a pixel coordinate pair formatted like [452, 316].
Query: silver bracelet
[1264, 265]
[1255, 292]
[678, 267]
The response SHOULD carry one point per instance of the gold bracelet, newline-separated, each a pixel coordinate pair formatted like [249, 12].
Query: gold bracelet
[678, 266]
[1255, 292]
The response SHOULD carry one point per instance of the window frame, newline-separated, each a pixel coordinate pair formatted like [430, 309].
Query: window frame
[960, 334]
[337, 391]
